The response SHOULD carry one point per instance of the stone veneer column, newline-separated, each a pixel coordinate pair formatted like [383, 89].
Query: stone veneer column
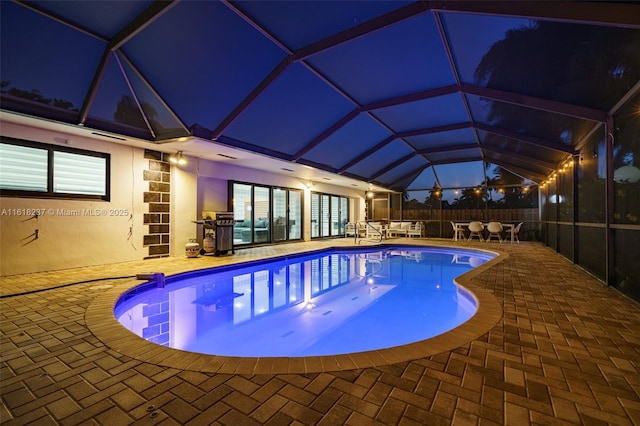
[158, 199]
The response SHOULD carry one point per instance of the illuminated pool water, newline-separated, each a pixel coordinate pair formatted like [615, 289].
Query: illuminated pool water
[325, 303]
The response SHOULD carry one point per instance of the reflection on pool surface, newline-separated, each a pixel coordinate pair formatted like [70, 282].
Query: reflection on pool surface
[329, 302]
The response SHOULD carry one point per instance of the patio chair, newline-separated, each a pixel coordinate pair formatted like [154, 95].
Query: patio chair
[458, 232]
[475, 230]
[515, 231]
[374, 230]
[495, 230]
[415, 230]
[351, 229]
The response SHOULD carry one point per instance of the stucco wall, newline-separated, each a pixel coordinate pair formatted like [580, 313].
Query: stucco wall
[69, 238]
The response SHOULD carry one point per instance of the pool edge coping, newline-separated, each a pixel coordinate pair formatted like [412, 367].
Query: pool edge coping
[101, 321]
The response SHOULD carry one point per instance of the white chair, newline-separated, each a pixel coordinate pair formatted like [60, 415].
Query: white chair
[351, 229]
[374, 230]
[458, 232]
[395, 229]
[415, 230]
[514, 233]
[495, 230]
[475, 230]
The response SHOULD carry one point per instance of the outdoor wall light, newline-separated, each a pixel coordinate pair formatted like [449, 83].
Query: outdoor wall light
[178, 158]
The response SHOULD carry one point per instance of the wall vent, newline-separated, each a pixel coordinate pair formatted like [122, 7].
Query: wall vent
[108, 136]
[227, 156]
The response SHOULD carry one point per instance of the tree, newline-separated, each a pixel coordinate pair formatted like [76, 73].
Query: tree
[434, 199]
[592, 66]
[471, 198]
[584, 65]
[127, 112]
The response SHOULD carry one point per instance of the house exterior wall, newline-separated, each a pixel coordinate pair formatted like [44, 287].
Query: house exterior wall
[68, 237]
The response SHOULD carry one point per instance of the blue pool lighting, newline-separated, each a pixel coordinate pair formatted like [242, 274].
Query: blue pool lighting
[329, 302]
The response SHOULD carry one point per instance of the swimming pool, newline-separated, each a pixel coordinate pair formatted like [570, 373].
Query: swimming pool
[324, 303]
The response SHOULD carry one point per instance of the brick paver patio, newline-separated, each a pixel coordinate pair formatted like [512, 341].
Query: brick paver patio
[565, 351]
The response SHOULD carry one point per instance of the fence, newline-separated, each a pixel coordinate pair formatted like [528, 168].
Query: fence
[437, 222]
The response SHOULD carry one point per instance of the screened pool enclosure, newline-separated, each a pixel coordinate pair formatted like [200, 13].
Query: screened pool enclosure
[447, 105]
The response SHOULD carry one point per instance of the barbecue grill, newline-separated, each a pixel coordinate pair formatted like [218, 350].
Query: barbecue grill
[217, 229]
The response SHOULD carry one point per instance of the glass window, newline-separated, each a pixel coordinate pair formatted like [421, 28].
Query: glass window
[79, 174]
[32, 169]
[23, 168]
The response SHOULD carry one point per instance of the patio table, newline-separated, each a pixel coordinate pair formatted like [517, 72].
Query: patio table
[506, 226]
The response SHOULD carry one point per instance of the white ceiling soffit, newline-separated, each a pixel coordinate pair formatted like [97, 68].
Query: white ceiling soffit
[198, 148]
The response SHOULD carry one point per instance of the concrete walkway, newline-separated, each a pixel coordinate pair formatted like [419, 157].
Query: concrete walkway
[565, 351]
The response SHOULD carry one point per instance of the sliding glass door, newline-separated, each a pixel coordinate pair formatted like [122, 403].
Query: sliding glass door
[261, 215]
[279, 209]
[329, 214]
[315, 215]
[268, 214]
[295, 215]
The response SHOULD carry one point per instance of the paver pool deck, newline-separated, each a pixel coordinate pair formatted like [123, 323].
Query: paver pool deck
[564, 349]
